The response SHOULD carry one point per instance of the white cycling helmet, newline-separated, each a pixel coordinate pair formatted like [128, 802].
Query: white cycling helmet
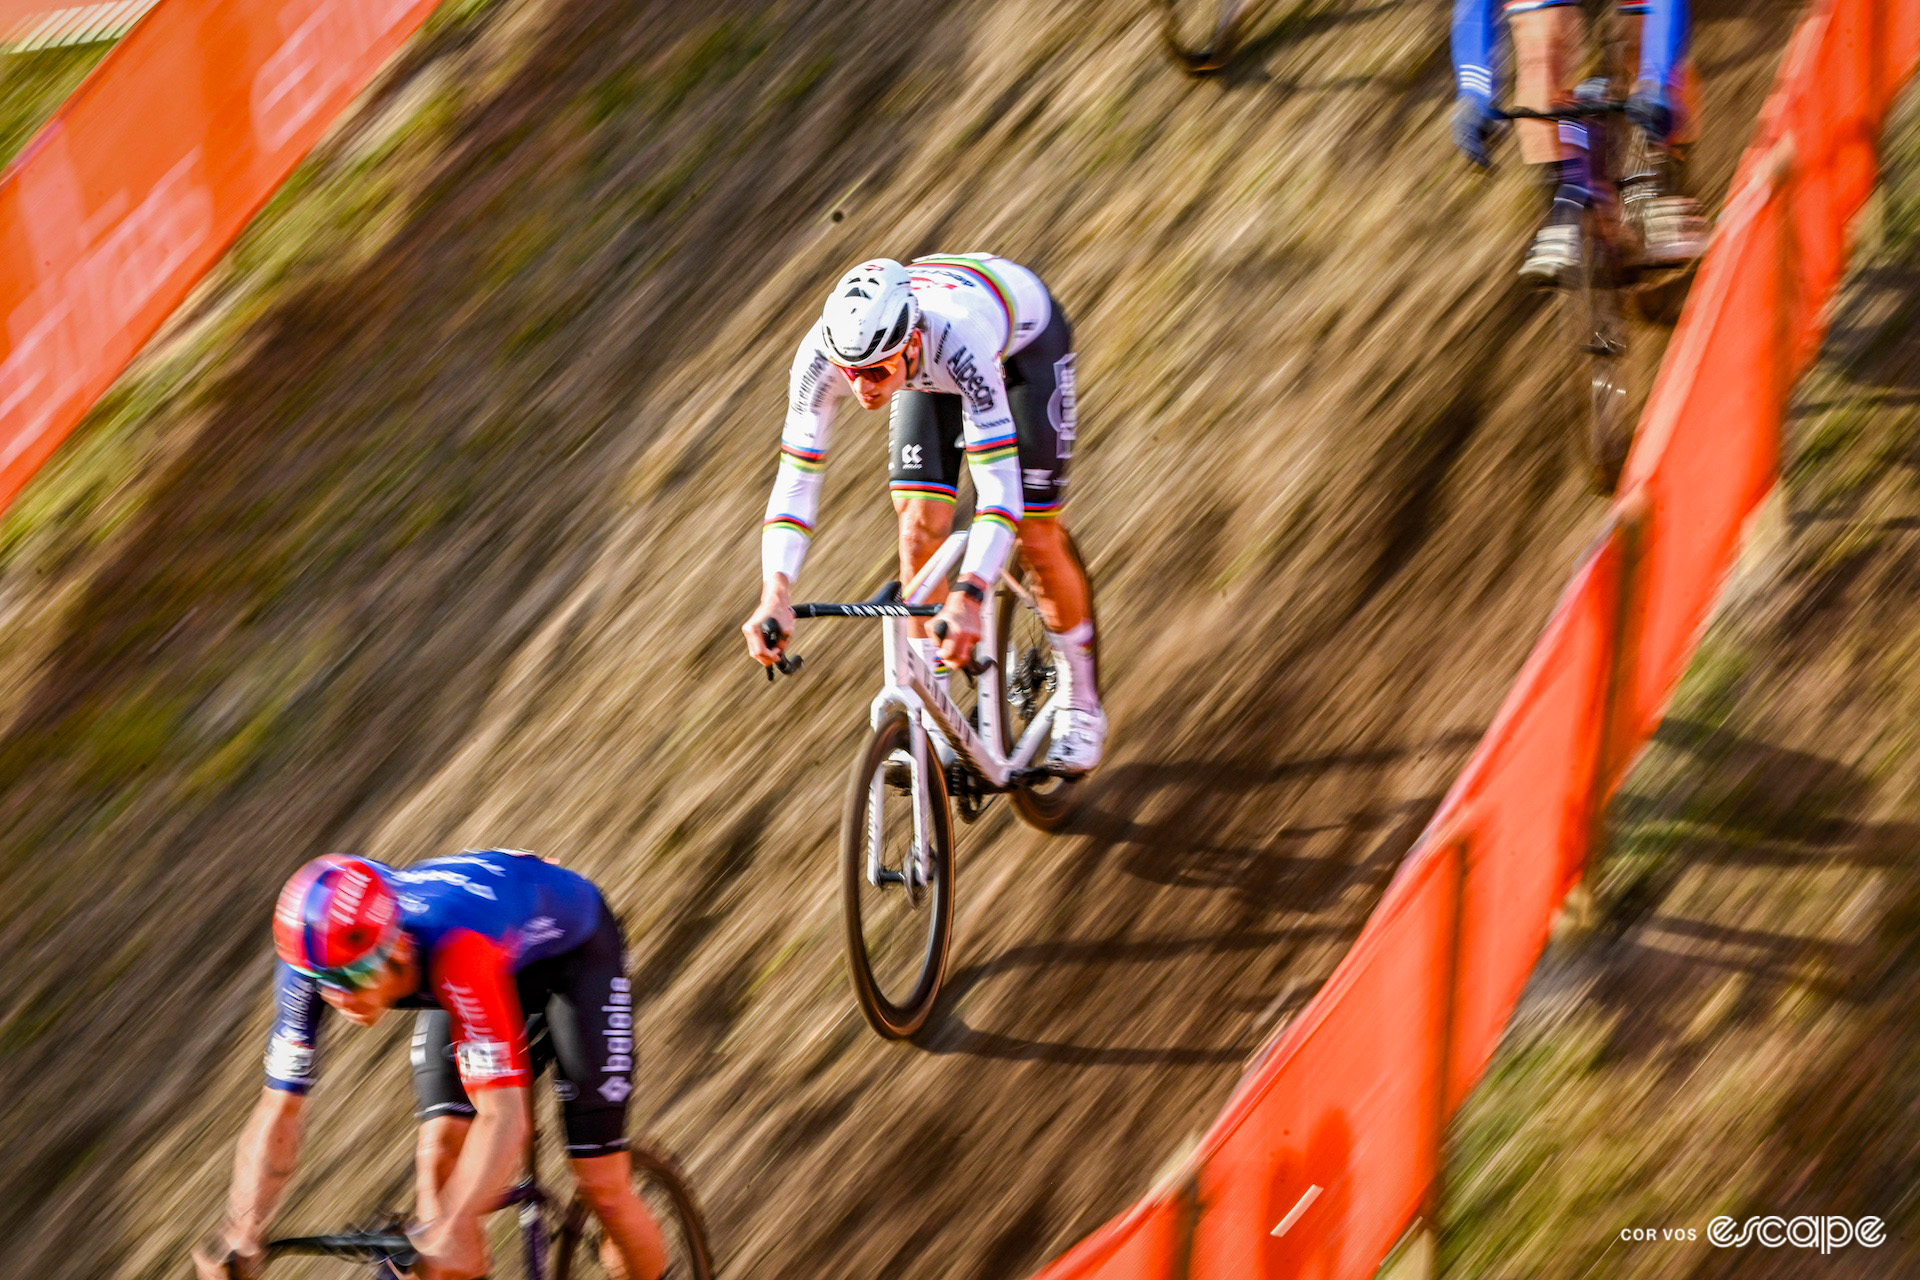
[870, 314]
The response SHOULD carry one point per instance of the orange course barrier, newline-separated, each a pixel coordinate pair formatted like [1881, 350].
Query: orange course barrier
[1331, 1148]
[145, 176]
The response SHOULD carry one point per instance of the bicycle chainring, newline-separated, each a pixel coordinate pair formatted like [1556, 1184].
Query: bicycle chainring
[965, 791]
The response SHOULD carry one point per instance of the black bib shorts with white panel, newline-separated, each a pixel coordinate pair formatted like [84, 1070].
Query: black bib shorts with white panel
[924, 436]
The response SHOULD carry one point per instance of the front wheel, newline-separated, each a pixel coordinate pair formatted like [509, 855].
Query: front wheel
[668, 1198]
[896, 890]
[1596, 326]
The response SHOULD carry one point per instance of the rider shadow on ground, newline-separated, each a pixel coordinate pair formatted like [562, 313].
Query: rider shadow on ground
[1206, 794]
[952, 1035]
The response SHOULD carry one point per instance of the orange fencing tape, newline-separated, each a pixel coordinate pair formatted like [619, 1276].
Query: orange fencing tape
[1331, 1147]
[1527, 799]
[1708, 454]
[121, 203]
[1319, 1159]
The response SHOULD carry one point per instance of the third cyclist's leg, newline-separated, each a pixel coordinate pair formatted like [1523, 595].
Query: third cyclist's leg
[1546, 46]
[1673, 230]
[590, 1022]
[1041, 395]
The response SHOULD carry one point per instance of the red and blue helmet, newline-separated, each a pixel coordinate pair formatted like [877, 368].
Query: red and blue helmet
[337, 920]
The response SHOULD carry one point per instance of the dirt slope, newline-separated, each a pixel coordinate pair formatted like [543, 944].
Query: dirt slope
[431, 524]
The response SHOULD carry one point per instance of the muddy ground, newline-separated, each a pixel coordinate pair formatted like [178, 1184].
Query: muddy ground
[430, 524]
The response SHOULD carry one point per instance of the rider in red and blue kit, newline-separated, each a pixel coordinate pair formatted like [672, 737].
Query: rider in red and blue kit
[1546, 45]
[511, 961]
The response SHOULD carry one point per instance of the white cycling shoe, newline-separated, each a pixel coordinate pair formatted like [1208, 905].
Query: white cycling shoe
[1078, 739]
[1554, 256]
[1674, 231]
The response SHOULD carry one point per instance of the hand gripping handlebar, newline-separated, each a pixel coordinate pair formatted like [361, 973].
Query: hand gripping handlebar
[885, 603]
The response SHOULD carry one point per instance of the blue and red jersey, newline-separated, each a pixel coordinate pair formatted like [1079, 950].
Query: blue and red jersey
[476, 920]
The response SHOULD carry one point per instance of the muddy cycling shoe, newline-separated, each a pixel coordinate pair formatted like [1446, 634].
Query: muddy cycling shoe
[1673, 231]
[1554, 256]
[1077, 740]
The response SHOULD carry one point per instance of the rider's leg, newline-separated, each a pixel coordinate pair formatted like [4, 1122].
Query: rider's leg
[1066, 605]
[1059, 584]
[923, 471]
[1673, 229]
[924, 525]
[1043, 398]
[1546, 46]
[634, 1248]
[589, 1023]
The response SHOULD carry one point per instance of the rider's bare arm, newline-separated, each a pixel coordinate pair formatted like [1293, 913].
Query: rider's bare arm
[263, 1163]
[489, 1160]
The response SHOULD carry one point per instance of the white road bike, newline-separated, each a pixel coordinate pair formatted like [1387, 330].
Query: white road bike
[926, 754]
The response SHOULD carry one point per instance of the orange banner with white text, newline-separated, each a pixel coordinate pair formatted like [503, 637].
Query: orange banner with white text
[145, 176]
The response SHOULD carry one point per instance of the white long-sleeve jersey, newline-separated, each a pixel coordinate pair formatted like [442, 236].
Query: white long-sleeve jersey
[975, 310]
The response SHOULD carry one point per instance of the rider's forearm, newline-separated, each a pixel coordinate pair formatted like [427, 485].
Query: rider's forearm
[263, 1163]
[788, 531]
[997, 514]
[490, 1156]
[1663, 41]
[795, 500]
[1473, 39]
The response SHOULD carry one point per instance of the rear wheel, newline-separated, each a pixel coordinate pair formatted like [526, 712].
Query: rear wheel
[897, 901]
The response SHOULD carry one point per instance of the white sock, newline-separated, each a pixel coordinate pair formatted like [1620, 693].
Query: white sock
[1073, 660]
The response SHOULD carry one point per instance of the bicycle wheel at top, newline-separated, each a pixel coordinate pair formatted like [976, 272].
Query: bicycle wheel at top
[1200, 35]
[898, 906]
[1597, 331]
[578, 1244]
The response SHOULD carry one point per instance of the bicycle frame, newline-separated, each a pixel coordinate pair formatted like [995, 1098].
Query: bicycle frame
[939, 730]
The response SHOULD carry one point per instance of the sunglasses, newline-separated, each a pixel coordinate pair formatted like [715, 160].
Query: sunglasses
[359, 975]
[873, 372]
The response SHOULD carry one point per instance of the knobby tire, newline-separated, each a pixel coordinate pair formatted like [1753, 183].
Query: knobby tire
[896, 1021]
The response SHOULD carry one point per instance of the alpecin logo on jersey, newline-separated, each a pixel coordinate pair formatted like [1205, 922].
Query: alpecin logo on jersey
[972, 383]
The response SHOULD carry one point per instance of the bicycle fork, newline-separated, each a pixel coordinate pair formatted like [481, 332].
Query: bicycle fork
[914, 874]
